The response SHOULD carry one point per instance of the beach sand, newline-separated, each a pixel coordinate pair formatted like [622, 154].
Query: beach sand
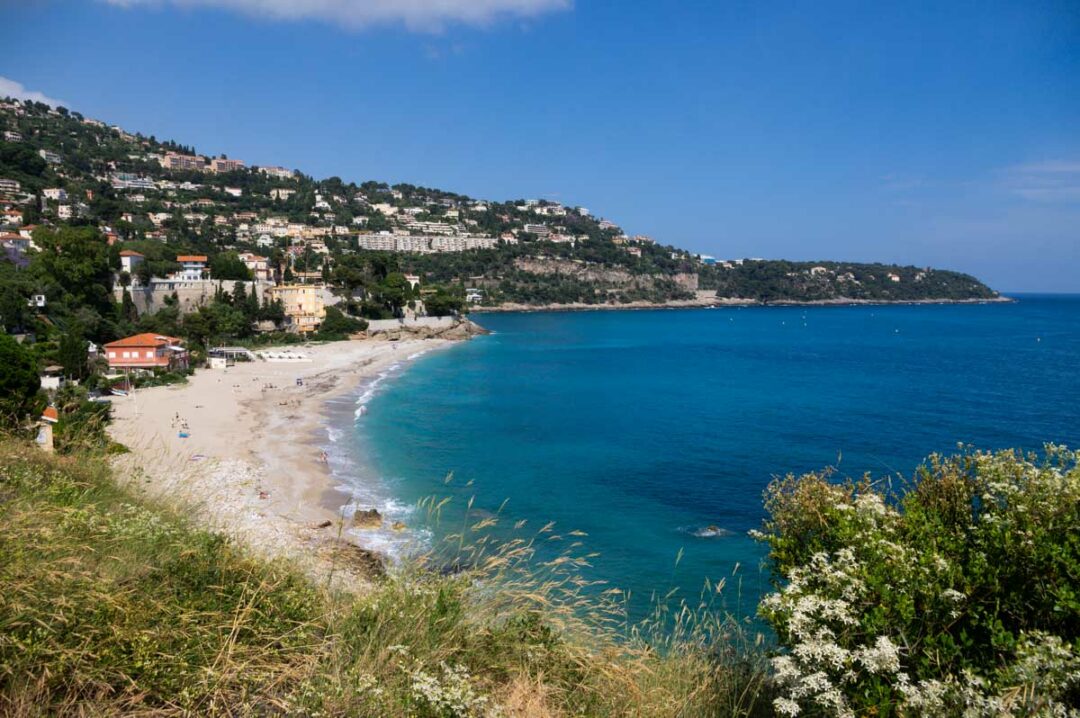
[251, 465]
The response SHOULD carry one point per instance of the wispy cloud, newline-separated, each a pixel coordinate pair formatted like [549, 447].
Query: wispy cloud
[11, 88]
[1049, 181]
[417, 15]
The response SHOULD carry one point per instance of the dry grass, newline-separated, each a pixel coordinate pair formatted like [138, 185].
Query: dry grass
[115, 605]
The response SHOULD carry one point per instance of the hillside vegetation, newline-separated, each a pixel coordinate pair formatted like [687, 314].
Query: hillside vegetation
[362, 238]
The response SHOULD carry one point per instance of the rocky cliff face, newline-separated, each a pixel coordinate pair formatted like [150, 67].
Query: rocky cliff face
[613, 277]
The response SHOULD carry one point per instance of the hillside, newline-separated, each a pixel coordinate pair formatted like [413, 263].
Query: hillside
[163, 200]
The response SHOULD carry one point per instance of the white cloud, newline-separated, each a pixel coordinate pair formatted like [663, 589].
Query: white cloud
[1050, 181]
[420, 15]
[11, 88]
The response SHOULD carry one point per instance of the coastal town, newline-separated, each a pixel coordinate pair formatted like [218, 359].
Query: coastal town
[130, 263]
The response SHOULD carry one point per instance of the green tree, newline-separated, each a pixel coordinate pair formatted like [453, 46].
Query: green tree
[335, 325]
[394, 292]
[72, 353]
[19, 384]
[74, 264]
[228, 265]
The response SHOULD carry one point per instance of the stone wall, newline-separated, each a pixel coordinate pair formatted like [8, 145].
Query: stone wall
[190, 294]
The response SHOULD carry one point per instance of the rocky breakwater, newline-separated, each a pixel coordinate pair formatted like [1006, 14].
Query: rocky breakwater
[449, 328]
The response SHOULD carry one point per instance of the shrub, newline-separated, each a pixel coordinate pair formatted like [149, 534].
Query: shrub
[958, 595]
[337, 326]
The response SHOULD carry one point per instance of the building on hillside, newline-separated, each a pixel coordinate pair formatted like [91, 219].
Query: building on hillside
[127, 180]
[278, 172]
[303, 304]
[130, 259]
[540, 230]
[55, 193]
[192, 267]
[176, 161]
[13, 216]
[50, 157]
[52, 377]
[9, 186]
[259, 266]
[234, 191]
[220, 164]
[281, 193]
[11, 136]
[146, 351]
[413, 280]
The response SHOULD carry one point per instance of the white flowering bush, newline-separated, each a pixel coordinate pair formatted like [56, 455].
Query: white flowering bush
[957, 596]
[450, 693]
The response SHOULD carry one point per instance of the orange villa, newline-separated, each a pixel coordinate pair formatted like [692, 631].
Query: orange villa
[146, 351]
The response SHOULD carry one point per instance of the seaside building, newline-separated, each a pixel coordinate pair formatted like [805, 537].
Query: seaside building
[192, 267]
[146, 351]
[130, 259]
[303, 304]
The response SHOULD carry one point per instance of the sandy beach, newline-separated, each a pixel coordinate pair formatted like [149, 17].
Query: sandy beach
[251, 465]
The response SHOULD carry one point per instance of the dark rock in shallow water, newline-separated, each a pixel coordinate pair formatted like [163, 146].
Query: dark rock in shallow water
[367, 519]
[711, 532]
[358, 560]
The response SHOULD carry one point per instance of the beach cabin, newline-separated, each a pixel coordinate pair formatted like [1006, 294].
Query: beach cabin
[146, 351]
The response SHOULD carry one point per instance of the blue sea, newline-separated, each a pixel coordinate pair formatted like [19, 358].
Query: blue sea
[656, 432]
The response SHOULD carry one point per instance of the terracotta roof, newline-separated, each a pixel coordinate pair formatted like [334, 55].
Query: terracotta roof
[50, 414]
[130, 253]
[191, 258]
[147, 339]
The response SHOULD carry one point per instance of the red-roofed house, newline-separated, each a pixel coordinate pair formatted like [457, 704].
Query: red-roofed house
[193, 267]
[259, 266]
[130, 259]
[146, 351]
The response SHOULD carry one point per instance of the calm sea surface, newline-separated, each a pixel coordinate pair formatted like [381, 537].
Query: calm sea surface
[642, 429]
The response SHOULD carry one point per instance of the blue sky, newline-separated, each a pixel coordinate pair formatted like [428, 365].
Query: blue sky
[944, 134]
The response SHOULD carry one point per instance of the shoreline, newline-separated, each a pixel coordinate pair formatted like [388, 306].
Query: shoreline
[722, 302]
[253, 465]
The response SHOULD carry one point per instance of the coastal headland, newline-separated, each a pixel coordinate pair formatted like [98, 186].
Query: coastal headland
[708, 299]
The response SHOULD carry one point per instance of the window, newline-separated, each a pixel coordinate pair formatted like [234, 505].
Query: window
[150, 354]
[112, 355]
[127, 355]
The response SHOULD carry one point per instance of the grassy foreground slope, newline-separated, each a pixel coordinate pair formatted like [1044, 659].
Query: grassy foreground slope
[113, 605]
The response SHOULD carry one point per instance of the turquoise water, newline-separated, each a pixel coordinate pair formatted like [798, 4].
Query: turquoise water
[643, 428]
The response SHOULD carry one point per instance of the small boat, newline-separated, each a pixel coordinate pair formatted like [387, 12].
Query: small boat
[118, 392]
